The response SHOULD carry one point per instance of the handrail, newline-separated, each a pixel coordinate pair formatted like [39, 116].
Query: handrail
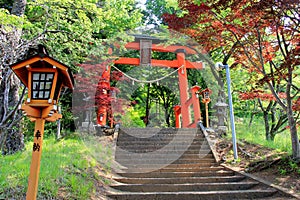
[211, 142]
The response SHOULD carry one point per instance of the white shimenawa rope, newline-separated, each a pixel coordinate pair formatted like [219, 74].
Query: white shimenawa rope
[151, 81]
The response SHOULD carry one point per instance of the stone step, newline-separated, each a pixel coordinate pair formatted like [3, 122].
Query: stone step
[180, 141]
[165, 151]
[176, 164]
[197, 155]
[162, 145]
[152, 165]
[155, 156]
[160, 161]
[163, 154]
[192, 161]
[124, 135]
[194, 195]
[169, 169]
[185, 187]
[182, 180]
[190, 169]
[156, 174]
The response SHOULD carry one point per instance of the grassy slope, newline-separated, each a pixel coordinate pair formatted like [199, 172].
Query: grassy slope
[256, 134]
[67, 169]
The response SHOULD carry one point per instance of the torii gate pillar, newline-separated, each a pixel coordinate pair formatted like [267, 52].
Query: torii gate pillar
[183, 88]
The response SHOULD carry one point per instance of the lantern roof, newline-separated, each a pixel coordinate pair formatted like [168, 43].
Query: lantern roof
[206, 90]
[40, 61]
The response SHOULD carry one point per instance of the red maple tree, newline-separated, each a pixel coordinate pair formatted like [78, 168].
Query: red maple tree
[89, 95]
[261, 36]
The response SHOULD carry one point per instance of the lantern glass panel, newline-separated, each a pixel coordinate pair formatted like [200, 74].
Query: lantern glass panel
[42, 76]
[206, 95]
[41, 85]
[36, 76]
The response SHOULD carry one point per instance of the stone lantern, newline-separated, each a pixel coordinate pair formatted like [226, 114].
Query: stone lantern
[221, 113]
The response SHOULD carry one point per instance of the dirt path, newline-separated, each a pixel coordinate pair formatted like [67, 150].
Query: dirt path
[276, 168]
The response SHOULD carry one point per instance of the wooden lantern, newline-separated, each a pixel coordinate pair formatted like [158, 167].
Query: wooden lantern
[44, 77]
[206, 99]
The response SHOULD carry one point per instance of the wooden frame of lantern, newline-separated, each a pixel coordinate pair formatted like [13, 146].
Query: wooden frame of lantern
[206, 99]
[44, 77]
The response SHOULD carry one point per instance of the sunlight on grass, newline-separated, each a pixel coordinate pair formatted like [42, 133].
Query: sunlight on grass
[14, 170]
[66, 164]
[256, 134]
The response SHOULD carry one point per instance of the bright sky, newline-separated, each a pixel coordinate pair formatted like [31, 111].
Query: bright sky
[142, 3]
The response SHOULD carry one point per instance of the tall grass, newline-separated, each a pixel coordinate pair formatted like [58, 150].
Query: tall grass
[256, 134]
[66, 170]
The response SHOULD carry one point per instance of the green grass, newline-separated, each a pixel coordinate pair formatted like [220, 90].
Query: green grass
[66, 169]
[256, 134]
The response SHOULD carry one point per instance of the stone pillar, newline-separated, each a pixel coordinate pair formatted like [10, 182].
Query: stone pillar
[221, 113]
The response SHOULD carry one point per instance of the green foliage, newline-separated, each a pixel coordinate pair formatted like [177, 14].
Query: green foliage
[73, 30]
[132, 118]
[67, 121]
[6, 4]
[293, 165]
[289, 166]
[155, 10]
[282, 171]
[79, 189]
[9, 21]
[27, 128]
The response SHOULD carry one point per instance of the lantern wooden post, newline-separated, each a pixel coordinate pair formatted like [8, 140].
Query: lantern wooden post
[206, 114]
[36, 159]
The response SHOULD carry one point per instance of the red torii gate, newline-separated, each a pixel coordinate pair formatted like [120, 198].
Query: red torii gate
[147, 44]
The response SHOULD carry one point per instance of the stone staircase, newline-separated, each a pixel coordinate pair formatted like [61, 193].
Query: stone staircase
[177, 164]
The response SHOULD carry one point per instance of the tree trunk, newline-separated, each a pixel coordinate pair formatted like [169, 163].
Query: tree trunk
[167, 115]
[267, 126]
[11, 140]
[15, 139]
[18, 8]
[252, 114]
[291, 119]
[147, 105]
[294, 137]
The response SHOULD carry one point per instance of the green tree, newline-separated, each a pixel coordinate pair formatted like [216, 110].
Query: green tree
[71, 31]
